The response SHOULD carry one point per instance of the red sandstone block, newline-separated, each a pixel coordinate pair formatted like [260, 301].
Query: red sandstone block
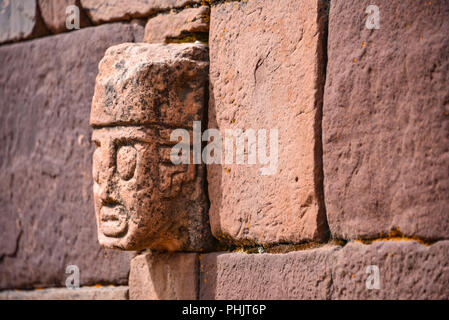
[295, 275]
[164, 276]
[266, 71]
[100, 11]
[406, 270]
[173, 27]
[386, 120]
[381, 270]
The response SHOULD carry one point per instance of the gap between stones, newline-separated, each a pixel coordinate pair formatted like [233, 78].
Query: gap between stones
[190, 37]
[215, 2]
[282, 248]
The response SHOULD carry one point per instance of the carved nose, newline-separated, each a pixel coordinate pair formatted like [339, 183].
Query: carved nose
[108, 197]
[107, 189]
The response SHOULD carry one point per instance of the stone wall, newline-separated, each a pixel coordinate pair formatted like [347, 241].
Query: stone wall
[356, 206]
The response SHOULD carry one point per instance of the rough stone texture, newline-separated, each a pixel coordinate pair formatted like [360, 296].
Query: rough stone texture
[295, 275]
[266, 73]
[54, 14]
[142, 200]
[386, 120]
[20, 20]
[47, 210]
[407, 270]
[143, 84]
[170, 27]
[83, 293]
[101, 11]
[164, 276]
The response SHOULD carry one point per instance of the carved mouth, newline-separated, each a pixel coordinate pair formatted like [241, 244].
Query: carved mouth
[113, 220]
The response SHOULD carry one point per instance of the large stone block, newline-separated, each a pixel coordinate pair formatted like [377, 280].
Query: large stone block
[164, 276]
[47, 218]
[406, 270]
[381, 270]
[295, 275]
[386, 120]
[83, 293]
[143, 93]
[173, 27]
[54, 14]
[20, 20]
[266, 73]
[101, 11]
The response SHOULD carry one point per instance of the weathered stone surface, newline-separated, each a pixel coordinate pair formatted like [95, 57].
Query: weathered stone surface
[54, 14]
[407, 270]
[164, 276]
[295, 275]
[174, 26]
[266, 73]
[142, 199]
[134, 82]
[101, 11]
[47, 216]
[386, 120]
[20, 20]
[83, 293]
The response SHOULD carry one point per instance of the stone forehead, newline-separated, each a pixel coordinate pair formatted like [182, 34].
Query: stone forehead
[157, 134]
[150, 83]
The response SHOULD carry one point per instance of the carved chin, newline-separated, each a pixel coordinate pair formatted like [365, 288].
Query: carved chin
[113, 221]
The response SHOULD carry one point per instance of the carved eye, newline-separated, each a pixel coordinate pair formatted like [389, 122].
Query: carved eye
[96, 165]
[126, 162]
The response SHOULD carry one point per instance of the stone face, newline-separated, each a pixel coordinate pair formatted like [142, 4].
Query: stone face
[101, 11]
[295, 275]
[20, 20]
[173, 27]
[83, 293]
[47, 216]
[266, 73]
[54, 14]
[164, 276]
[142, 199]
[407, 270]
[385, 121]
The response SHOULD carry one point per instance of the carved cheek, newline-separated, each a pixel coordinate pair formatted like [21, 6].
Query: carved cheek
[126, 162]
[96, 165]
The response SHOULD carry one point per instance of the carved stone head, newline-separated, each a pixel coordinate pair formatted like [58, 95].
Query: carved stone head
[143, 200]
